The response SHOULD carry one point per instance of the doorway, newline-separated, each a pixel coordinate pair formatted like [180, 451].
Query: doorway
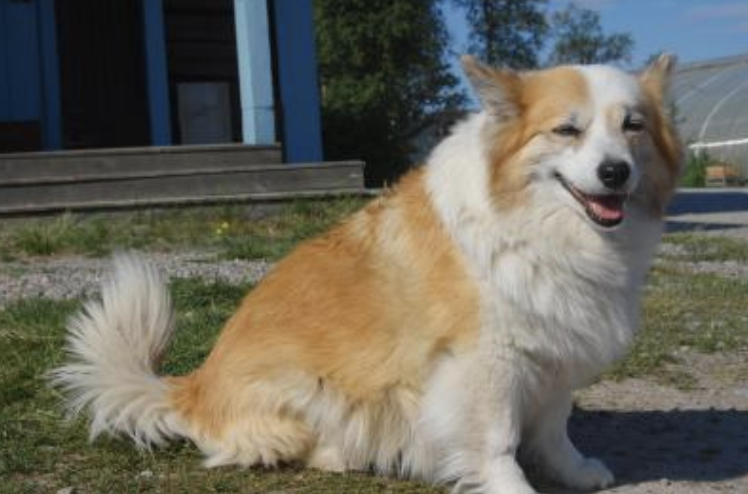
[103, 92]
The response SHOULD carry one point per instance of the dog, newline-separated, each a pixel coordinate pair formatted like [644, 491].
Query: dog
[437, 333]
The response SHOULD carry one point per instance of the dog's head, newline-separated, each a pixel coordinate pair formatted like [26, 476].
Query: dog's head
[593, 140]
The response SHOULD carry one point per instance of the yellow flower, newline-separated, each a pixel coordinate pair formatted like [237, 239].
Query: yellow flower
[222, 228]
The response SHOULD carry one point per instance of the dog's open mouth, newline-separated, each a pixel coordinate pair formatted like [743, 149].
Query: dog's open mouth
[605, 210]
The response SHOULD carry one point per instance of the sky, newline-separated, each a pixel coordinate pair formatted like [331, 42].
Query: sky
[692, 29]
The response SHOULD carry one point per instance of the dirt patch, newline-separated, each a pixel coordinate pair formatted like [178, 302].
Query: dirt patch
[659, 439]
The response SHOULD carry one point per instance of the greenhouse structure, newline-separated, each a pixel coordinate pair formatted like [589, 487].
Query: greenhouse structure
[711, 108]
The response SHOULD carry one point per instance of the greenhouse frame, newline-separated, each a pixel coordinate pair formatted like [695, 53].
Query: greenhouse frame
[710, 102]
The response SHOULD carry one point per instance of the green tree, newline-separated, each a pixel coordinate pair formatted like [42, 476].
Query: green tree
[579, 38]
[508, 33]
[384, 79]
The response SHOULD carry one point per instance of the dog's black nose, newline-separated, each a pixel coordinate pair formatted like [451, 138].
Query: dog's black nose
[613, 174]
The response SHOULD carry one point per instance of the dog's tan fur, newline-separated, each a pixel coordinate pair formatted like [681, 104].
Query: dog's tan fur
[361, 312]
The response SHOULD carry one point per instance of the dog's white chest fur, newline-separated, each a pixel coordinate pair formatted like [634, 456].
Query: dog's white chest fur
[550, 285]
[559, 303]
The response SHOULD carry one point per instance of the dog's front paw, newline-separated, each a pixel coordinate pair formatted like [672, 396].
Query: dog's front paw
[590, 473]
[492, 487]
[501, 476]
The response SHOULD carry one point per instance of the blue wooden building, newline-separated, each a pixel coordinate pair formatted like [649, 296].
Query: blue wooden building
[84, 74]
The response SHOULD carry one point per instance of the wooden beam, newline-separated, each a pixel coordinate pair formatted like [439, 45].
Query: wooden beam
[71, 166]
[297, 77]
[50, 69]
[156, 72]
[255, 71]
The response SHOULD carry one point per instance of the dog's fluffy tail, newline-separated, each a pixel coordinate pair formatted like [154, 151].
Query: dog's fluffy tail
[115, 346]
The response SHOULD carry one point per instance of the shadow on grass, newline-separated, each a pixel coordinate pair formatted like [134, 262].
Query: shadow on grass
[676, 445]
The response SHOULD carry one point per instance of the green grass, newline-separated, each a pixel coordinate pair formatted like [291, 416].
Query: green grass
[42, 453]
[274, 238]
[228, 230]
[39, 452]
[684, 311]
[202, 309]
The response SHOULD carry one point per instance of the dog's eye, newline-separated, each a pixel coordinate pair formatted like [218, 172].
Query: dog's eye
[633, 124]
[567, 130]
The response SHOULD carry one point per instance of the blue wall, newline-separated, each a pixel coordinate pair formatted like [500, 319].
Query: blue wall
[20, 77]
[297, 76]
[29, 75]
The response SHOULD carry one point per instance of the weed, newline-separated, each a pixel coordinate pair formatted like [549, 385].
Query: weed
[44, 239]
[694, 174]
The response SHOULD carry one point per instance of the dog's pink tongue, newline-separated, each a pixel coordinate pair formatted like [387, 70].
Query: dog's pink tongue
[607, 207]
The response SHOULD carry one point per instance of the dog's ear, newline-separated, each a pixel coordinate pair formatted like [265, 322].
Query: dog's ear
[656, 77]
[498, 89]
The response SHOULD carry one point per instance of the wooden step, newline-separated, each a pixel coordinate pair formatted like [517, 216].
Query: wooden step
[78, 166]
[268, 182]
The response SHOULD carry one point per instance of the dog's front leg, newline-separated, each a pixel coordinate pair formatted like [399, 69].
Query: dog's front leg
[552, 446]
[495, 419]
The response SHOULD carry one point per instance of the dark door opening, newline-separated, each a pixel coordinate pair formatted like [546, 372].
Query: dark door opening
[203, 71]
[103, 89]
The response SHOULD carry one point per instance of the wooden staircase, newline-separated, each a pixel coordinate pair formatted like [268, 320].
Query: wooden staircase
[135, 177]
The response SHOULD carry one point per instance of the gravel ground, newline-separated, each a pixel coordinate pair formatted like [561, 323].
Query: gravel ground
[730, 269]
[71, 277]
